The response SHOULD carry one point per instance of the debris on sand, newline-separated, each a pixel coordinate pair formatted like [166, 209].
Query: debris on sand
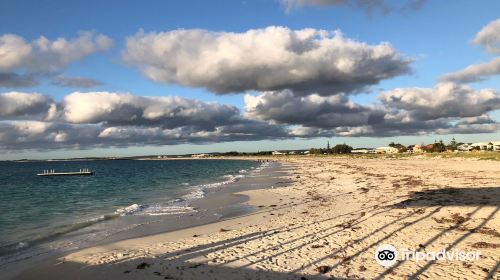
[323, 269]
[143, 265]
[484, 245]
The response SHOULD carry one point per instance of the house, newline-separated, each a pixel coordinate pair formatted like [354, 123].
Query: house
[277, 153]
[417, 149]
[386, 150]
[464, 147]
[427, 147]
[483, 146]
[487, 146]
[362, 151]
[495, 145]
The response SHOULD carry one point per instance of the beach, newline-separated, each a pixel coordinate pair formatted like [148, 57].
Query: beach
[326, 222]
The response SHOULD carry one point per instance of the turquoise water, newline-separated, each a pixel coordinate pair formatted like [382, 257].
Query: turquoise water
[35, 209]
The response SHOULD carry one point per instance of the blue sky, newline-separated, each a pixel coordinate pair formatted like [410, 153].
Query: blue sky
[436, 36]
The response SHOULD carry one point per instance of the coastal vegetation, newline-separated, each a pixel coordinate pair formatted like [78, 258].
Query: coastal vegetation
[337, 149]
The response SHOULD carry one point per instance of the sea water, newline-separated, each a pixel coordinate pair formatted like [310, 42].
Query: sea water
[35, 211]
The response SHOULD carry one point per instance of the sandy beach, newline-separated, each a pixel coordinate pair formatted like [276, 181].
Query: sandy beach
[327, 223]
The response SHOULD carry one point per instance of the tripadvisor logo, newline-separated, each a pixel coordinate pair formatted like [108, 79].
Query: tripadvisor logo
[386, 255]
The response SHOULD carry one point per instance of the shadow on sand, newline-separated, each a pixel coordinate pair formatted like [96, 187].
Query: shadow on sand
[192, 262]
[484, 196]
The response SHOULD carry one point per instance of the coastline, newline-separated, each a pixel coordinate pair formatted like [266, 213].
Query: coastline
[327, 223]
[220, 201]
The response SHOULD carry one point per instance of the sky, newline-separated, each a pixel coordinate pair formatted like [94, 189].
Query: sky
[126, 78]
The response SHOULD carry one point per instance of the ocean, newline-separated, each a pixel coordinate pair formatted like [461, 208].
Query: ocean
[42, 214]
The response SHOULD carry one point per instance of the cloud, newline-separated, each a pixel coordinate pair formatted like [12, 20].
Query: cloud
[37, 135]
[273, 58]
[15, 105]
[463, 128]
[14, 80]
[19, 58]
[75, 82]
[14, 52]
[483, 119]
[404, 111]
[445, 100]
[368, 6]
[32, 121]
[105, 119]
[474, 72]
[313, 110]
[127, 109]
[489, 37]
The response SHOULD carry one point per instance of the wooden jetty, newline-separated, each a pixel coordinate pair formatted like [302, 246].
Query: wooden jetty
[52, 172]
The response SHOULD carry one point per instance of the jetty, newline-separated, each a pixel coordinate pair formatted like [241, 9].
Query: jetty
[52, 172]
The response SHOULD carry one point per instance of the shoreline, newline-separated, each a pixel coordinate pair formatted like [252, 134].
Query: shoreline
[218, 203]
[326, 223]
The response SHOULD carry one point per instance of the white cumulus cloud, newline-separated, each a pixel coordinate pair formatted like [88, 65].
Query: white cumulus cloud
[474, 72]
[445, 100]
[21, 62]
[272, 58]
[489, 37]
[15, 105]
[128, 109]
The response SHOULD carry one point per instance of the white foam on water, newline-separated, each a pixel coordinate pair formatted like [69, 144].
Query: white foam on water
[158, 210]
[195, 194]
[22, 244]
[129, 210]
[181, 205]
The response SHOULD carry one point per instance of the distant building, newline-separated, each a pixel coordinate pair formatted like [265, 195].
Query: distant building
[464, 147]
[275, 153]
[386, 150]
[496, 145]
[483, 146]
[427, 147]
[200, 156]
[362, 151]
[487, 146]
[417, 149]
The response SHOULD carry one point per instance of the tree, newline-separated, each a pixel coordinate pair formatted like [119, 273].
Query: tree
[401, 148]
[453, 142]
[438, 147]
[490, 147]
[342, 149]
[315, 151]
[453, 145]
